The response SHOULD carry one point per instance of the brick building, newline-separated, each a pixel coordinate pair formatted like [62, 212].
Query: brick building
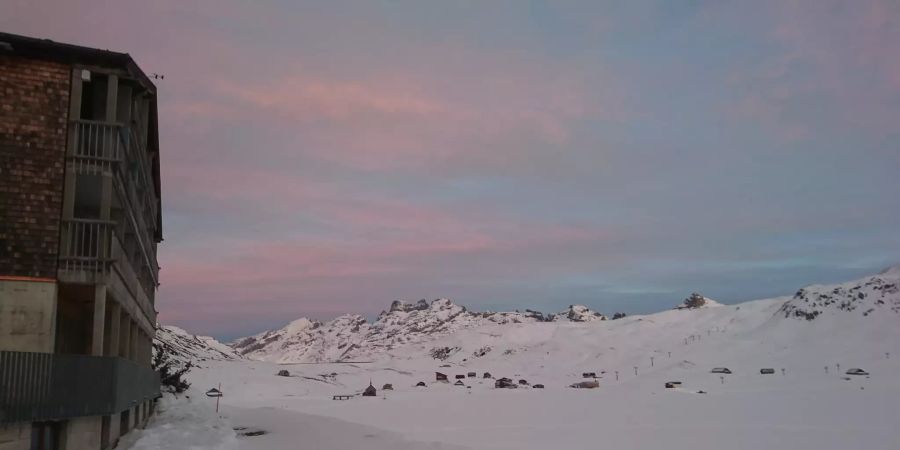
[79, 225]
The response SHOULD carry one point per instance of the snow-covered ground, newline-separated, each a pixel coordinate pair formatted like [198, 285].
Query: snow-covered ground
[802, 405]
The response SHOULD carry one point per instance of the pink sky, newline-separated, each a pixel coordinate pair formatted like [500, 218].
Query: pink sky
[320, 159]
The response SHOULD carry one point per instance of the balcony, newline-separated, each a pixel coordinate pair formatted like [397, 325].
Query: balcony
[90, 247]
[46, 386]
[96, 251]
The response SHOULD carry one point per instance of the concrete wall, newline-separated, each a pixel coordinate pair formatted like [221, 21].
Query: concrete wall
[16, 436]
[27, 315]
[114, 431]
[81, 434]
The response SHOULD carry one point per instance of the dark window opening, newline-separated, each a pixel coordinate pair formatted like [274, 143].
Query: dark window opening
[45, 436]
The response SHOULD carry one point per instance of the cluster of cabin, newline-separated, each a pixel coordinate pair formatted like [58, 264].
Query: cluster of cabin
[508, 383]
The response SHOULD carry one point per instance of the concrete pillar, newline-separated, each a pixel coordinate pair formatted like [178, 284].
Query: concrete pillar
[81, 433]
[114, 431]
[99, 320]
[135, 340]
[125, 335]
[15, 436]
[115, 321]
[112, 90]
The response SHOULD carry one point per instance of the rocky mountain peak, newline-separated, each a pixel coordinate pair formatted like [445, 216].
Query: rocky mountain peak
[399, 305]
[580, 313]
[864, 296]
[351, 337]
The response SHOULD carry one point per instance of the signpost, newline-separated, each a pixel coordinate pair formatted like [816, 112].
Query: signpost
[217, 393]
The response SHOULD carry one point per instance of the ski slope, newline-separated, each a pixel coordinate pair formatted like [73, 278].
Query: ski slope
[805, 406]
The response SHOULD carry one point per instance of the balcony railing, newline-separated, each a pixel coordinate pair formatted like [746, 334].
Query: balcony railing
[105, 147]
[85, 245]
[46, 386]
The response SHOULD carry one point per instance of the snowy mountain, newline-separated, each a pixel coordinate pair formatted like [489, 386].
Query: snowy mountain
[351, 336]
[808, 397]
[180, 347]
[864, 296]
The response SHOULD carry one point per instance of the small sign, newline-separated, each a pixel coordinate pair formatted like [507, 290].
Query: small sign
[213, 393]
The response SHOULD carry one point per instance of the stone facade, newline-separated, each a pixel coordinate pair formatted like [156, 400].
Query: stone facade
[34, 102]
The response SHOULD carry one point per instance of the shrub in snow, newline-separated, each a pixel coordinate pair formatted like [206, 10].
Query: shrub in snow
[443, 353]
[695, 301]
[283, 373]
[618, 315]
[170, 374]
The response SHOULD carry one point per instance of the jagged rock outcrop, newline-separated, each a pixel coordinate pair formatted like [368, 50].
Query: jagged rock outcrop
[178, 348]
[864, 296]
[578, 313]
[351, 337]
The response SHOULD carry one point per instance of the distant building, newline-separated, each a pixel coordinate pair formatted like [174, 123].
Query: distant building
[766, 371]
[440, 376]
[370, 391]
[724, 370]
[79, 224]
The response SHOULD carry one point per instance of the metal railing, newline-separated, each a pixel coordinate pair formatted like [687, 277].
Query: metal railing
[85, 245]
[47, 386]
[98, 145]
[115, 148]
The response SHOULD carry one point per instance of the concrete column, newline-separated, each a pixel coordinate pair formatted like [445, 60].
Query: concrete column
[114, 431]
[15, 436]
[99, 319]
[81, 433]
[135, 340]
[112, 348]
[112, 90]
[125, 334]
